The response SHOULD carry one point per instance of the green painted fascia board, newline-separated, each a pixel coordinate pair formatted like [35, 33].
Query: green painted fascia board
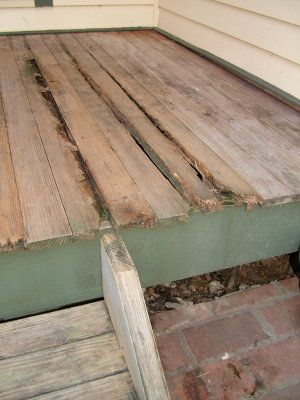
[38, 32]
[213, 241]
[43, 3]
[262, 84]
[33, 281]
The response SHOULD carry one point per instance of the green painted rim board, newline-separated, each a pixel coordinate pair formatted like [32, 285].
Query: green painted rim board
[33, 281]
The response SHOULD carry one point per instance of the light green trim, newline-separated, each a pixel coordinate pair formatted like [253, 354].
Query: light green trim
[262, 84]
[213, 241]
[38, 280]
[122, 29]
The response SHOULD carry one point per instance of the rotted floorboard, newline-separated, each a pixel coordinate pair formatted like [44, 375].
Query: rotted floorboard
[134, 129]
[133, 124]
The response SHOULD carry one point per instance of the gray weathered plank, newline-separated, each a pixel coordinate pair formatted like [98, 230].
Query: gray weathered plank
[53, 329]
[11, 224]
[74, 190]
[163, 198]
[113, 183]
[210, 165]
[160, 149]
[115, 387]
[53, 369]
[197, 118]
[272, 141]
[126, 304]
[42, 210]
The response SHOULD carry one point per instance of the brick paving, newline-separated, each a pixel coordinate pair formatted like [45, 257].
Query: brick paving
[242, 346]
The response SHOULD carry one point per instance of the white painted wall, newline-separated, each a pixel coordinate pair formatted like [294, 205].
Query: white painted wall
[21, 15]
[259, 36]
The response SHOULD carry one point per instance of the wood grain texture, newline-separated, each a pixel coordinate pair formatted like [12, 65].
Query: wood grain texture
[115, 387]
[126, 304]
[207, 162]
[76, 195]
[113, 183]
[228, 110]
[53, 329]
[203, 125]
[40, 372]
[42, 210]
[162, 152]
[11, 224]
[160, 194]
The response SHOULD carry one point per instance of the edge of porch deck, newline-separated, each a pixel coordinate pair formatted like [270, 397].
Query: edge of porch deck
[33, 281]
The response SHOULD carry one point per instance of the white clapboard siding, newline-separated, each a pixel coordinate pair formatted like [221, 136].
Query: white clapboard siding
[77, 17]
[16, 3]
[266, 47]
[287, 10]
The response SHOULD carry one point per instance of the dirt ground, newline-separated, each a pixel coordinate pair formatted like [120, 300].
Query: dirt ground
[206, 287]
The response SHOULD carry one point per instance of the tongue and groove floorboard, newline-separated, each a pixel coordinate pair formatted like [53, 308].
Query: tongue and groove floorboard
[11, 224]
[165, 201]
[107, 122]
[230, 111]
[42, 209]
[203, 159]
[157, 77]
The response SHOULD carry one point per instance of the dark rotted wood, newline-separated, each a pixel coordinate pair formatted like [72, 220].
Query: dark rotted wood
[163, 198]
[113, 183]
[76, 195]
[232, 110]
[42, 209]
[199, 117]
[206, 161]
[167, 156]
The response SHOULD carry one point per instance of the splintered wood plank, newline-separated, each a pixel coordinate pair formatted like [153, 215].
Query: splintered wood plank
[75, 193]
[113, 183]
[203, 158]
[266, 102]
[232, 110]
[53, 329]
[161, 150]
[126, 304]
[11, 224]
[116, 387]
[42, 210]
[40, 372]
[163, 198]
[199, 120]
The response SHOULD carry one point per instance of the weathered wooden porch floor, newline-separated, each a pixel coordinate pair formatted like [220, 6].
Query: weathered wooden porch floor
[133, 124]
[66, 354]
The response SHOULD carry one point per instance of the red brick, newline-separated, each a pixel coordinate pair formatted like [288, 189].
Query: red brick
[187, 386]
[171, 352]
[227, 380]
[243, 299]
[275, 363]
[224, 335]
[176, 319]
[290, 284]
[284, 316]
[290, 393]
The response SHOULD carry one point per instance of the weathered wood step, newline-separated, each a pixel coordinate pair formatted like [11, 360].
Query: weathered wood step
[78, 353]
[66, 354]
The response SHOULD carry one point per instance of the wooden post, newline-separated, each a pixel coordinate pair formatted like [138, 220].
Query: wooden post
[125, 301]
